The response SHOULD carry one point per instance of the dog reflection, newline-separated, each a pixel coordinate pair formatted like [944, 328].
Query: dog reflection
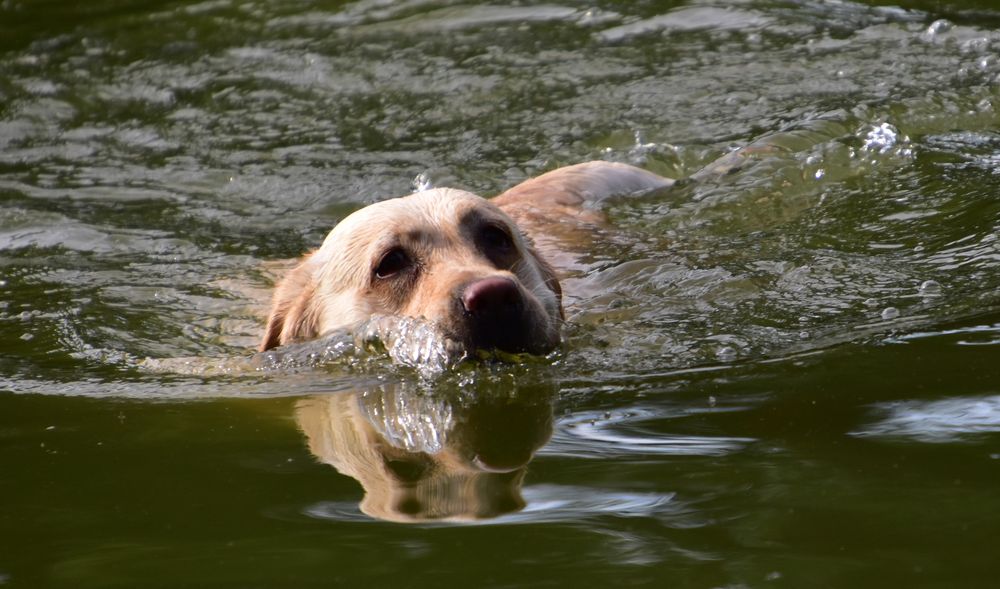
[423, 458]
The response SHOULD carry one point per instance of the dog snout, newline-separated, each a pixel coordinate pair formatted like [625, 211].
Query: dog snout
[496, 315]
[494, 296]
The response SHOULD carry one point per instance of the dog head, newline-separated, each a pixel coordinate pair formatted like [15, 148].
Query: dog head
[446, 256]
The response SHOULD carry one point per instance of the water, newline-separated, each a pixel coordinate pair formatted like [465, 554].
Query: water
[781, 376]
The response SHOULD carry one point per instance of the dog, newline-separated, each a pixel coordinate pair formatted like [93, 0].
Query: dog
[472, 267]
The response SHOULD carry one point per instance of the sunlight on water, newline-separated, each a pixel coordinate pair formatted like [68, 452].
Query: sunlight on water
[603, 435]
[947, 420]
[978, 335]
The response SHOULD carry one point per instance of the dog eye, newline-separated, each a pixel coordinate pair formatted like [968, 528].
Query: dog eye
[393, 262]
[495, 239]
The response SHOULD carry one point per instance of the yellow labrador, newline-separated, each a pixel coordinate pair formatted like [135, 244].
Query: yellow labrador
[468, 265]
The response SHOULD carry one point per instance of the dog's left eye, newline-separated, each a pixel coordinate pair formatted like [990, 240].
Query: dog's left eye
[393, 262]
[495, 239]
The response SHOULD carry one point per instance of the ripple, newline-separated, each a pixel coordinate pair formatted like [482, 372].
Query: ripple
[946, 420]
[607, 435]
[551, 503]
[977, 335]
[689, 19]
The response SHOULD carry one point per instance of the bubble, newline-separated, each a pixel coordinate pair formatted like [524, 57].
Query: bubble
[937, 27]
[726, 354]
[930, 288]
[890, 313]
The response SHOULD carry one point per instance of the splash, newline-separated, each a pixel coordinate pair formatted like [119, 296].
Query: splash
[882, 138]
[410, 342]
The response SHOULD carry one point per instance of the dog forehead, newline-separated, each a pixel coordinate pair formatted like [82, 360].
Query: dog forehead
[437, 209]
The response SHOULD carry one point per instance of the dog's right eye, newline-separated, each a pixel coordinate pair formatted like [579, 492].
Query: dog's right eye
[393, 262]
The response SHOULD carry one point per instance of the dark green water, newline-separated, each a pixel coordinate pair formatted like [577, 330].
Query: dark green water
[784, 377]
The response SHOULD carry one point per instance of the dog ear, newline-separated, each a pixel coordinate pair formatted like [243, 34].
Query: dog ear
[290, 316]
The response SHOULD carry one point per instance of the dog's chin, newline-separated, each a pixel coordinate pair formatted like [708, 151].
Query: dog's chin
[511, 340]
[528, 333]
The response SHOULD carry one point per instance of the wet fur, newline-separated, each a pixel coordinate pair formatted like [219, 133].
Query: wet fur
[335, 287]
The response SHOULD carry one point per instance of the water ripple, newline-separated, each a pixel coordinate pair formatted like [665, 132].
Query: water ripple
[604, 435]
[550, 503]
[947, 420]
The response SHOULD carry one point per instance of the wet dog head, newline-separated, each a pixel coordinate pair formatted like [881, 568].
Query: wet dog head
[444, 255]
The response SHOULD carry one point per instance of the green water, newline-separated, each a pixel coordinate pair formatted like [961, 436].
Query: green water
[783, 377]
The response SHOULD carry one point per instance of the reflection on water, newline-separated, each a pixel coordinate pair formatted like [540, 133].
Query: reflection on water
[552, 504]
[423, 457]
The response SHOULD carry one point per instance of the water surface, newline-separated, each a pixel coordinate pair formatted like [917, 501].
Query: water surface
[783, 376]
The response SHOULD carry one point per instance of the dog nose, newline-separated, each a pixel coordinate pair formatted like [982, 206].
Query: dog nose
[494, 295]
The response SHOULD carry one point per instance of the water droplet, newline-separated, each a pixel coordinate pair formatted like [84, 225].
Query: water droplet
[819, 174]
[422, 182]
[890, 313]
[937, 27]
[930, 288]
[726, 354]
